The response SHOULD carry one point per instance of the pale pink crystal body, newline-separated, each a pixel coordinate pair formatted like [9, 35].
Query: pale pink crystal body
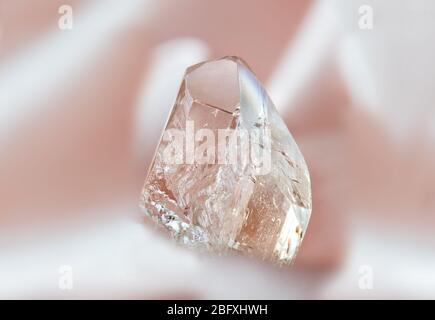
[224, 207]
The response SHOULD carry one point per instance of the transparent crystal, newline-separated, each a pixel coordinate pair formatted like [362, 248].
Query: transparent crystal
[225, 207]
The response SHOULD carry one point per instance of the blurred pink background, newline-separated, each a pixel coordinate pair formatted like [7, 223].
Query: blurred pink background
[82, 108]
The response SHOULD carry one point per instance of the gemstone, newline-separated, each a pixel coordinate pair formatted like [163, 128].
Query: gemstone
[258, 204]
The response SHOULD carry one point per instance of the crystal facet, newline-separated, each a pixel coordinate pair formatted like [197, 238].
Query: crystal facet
[230, 207]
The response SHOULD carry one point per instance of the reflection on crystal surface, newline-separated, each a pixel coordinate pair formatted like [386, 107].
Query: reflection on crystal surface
[223, 207]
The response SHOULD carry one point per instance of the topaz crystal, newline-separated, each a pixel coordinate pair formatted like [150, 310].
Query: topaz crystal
[224, 207]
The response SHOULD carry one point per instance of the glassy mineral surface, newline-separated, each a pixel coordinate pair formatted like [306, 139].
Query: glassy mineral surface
[230, 206]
